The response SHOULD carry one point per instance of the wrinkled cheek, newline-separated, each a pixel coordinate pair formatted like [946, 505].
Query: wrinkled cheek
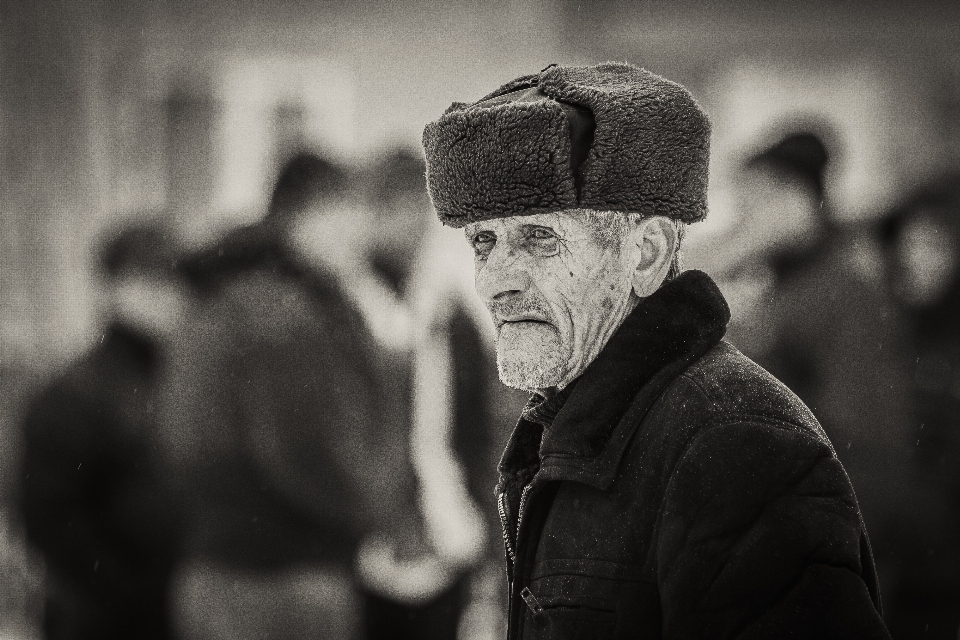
[598, 310]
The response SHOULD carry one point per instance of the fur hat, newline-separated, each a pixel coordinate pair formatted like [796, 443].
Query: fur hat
[611, 137]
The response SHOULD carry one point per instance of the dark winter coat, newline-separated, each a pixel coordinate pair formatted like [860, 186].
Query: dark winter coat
[682, 492]
[93, 501]
[275, 422]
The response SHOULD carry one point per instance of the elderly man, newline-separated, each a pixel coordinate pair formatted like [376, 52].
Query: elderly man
[658, 483]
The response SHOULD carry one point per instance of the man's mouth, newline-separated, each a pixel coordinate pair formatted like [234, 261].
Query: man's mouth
[524, 320]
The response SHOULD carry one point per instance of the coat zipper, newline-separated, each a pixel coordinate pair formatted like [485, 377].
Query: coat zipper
[526, 596]
[523, 499]
[505, 523]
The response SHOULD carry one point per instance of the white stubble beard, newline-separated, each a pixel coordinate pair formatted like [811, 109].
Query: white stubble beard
[530, 356]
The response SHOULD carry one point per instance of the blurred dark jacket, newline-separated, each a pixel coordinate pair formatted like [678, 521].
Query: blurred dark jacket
[677, 490]
[275, 419]
[932, 324]
[925, 596]
[93, 501]
[837, 343]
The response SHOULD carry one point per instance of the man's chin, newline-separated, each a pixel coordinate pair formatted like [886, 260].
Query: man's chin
[529, 356]
[520, 371]
[526, 376]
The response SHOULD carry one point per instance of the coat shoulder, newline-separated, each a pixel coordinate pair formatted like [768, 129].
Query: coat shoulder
[728, 387]
[755, 497]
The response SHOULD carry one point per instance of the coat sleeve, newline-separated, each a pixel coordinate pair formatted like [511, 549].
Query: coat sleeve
[761, 537]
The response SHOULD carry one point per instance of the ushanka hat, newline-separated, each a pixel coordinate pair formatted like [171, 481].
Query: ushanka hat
[611, 137]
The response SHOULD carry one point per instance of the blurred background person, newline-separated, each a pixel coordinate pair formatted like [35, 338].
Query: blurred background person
[277, 426]
[921, 238]
[818, 313]
[430, 335]
[93, 500]
[832, 328]
[827, 328]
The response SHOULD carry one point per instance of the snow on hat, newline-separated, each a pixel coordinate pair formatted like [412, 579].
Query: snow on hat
[610, 137]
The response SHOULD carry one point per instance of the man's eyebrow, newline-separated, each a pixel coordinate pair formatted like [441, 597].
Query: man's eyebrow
[552, 226]
[474, 227]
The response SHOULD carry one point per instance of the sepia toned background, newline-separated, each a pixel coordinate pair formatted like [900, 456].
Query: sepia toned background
[118, 111]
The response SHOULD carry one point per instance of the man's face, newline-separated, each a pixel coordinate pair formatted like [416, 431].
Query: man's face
[780, 211]
[557, 285]
[927, 256]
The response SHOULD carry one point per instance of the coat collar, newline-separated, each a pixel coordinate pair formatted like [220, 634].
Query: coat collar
[661, 337]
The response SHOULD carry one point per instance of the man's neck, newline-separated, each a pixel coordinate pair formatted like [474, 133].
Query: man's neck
[545, 404]
[548, 393]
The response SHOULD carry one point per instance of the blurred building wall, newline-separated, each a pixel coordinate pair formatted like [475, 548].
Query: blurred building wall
[53, 185]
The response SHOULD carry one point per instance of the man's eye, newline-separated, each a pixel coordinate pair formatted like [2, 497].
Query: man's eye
[543, 242]
[483, 243]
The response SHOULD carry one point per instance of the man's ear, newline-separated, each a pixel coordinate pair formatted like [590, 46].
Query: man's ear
[656, 238]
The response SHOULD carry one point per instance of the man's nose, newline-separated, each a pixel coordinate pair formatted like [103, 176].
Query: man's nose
[503, 274]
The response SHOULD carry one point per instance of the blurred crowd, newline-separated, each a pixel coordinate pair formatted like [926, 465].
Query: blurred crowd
[293, 432]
